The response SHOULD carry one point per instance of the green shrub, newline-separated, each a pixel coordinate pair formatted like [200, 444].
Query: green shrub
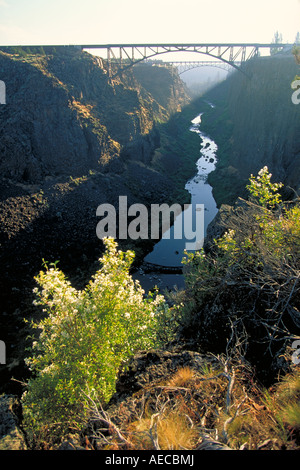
[252, 273]
[86, 337]
[263, 191]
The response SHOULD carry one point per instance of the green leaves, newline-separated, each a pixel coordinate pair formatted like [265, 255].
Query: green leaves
[263, 191]
[251, 272]
[88, 335]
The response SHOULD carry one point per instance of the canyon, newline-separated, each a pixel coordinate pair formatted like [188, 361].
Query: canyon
[71, 138]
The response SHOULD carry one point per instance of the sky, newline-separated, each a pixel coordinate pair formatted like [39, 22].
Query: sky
[42, 22]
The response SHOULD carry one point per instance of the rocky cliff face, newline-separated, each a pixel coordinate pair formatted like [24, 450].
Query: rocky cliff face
[70, 140]
[64, 116]
[163, 83]
[255, 124]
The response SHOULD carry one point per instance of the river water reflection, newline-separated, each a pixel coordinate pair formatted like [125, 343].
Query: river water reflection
[169, 251]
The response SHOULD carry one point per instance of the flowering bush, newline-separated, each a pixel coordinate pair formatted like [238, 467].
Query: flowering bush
[87, 336]
[263, 191]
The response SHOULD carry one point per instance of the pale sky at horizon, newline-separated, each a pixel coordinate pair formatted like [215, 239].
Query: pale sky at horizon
[141, 21]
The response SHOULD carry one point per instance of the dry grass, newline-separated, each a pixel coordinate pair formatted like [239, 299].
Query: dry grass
[208, 408]
[168, 431]
[288, 401]
[175, 431]
[182, 378]
[290, 414]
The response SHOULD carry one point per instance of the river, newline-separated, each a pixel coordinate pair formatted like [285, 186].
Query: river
[169, 251]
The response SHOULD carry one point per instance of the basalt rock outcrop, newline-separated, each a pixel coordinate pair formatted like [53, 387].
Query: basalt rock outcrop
[11, 435]
[64, 115]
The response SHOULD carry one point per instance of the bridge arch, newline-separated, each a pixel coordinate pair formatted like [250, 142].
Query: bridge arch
[186, 66]
[134, 62]
[232, 65]
[135, 53]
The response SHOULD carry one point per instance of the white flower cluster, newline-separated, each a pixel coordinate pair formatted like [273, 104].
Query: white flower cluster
[88, 334]
[263, 190]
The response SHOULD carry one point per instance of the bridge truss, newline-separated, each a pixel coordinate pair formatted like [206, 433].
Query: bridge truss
[122, 56]
[185, 66]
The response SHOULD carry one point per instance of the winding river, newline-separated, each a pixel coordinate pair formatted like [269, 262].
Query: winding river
[168, 252]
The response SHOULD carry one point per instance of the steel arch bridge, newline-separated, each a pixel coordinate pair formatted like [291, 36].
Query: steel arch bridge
[185, 66]
[122, 56]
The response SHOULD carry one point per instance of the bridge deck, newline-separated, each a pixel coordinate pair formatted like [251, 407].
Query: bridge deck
[230, 44]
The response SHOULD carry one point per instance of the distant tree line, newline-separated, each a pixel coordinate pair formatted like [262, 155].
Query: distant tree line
[277, 39]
